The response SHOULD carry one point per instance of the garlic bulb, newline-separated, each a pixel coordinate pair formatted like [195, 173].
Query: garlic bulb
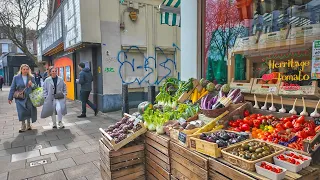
[282, 110]
[272, 108]
[315, 113]
[256, 105]
[264, 107]
[304, 112]
[293, 110]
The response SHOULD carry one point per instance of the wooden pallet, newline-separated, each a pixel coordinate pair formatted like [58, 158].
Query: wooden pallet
[229, 171]
[186, 164]
[125, 164]
[157, 156]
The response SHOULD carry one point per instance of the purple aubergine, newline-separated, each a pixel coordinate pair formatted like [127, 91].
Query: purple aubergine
[205, 100]
[221, 94]
[238, 99]
[212, 102]
[234, 94]
[202, 103]
[230, 92]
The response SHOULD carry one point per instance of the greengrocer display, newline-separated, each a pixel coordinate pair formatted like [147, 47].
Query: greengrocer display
[213, 121]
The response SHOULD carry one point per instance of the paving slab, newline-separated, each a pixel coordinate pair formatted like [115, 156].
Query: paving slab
[26, 173]
[4, 167]
[12, 151]
[85, 158]
[77, 144]
[97, 164]
[68, 153]
[46, 138]
[4, 176]
[5, 145]
[51, 156]
[5, 159]
[25, 155]
[61, 142]
[53, 149]
[58, 165]
[58, 175]
[96, 176]
[81, 170]
[91, 148]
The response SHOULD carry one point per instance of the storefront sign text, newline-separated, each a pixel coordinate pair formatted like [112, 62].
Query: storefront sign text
[291, 64]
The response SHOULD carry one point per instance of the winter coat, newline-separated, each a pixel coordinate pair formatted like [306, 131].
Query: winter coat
[48, 94]
[24, 106]
[85, 79]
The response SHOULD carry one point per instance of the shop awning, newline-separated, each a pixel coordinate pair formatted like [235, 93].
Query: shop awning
[170, 12]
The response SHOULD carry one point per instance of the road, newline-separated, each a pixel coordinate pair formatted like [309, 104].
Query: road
[44, 153]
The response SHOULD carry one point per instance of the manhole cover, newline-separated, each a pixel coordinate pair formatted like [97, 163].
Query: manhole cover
[37, 163]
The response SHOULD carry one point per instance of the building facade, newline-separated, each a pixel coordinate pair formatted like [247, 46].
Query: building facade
[122, 43]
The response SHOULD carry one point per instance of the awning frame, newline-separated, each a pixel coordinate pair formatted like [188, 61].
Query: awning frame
[164, 8]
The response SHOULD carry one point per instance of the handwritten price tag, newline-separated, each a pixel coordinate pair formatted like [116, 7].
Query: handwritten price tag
[272, 89]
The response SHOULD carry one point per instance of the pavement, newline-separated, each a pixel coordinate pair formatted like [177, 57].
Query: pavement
[44, 153]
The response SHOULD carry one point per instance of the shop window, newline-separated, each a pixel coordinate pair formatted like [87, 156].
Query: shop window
[5, 48]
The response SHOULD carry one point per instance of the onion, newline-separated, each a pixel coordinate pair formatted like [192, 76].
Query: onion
[264, 107]
[304, 112]
[272, 108]
[282, 110]
[256, 105]
[315, 113]
[159, 129]
[293, 110]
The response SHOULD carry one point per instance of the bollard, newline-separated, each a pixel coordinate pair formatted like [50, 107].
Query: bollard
[125, 99]
[151, 94]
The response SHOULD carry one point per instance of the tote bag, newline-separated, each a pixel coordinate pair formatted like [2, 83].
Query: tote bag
[36, 97]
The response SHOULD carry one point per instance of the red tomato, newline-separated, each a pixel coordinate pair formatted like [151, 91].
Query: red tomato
[294, 117]
[279, 125]
[245, 127]
[298, 126]
[309, 138]
[309, 131]
[246, 113]
[300, 120]
[261, 118]
[310, 124]
[317, 129]
[253, 116]
[287, 119]
[237, 129]
[302, 134]
[256, 123]
[288, 124]
[259, 115]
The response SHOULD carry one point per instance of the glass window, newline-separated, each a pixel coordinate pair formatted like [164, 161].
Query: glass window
[5, 48]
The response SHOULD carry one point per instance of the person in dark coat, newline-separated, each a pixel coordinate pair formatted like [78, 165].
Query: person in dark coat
[1, 82]
[85, 80]
[37, 78]
[26, 111]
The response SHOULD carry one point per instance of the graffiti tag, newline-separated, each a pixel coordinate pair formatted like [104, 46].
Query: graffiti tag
[109, 69]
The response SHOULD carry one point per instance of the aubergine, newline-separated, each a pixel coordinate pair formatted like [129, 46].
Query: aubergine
[234, 94]
[238, 99]
[212, 102]
[221, 94]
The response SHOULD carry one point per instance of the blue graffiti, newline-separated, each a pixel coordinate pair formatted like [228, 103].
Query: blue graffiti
[149, 65]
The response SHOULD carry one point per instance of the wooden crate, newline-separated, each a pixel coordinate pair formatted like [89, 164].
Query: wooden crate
[181, 137]
[311, 90]
[187, 164]
[244, 86]
[265, 88]
[125, 164]
[157, 156]
[221, 169]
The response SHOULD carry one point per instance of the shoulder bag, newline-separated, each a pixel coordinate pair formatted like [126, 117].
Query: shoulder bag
[19, 94]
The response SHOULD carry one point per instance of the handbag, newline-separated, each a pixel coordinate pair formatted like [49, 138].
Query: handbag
[19, 94]
[59, 95]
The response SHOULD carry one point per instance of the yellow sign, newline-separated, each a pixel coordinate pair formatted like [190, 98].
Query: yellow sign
[291, 64]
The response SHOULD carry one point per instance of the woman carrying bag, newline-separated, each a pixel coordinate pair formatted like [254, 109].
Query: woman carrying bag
[22, 85]
[54, 92]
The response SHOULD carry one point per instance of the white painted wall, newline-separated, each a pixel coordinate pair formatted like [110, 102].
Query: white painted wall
[189, 63]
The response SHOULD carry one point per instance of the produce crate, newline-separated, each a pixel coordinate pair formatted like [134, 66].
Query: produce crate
[206, 147]
[221, 169]
[265, 88]
[157, 156]
[311, 90]
[182, 137]
[246, 164]
[110, 142]
[125, 164]
[187, 164]
[244, 86]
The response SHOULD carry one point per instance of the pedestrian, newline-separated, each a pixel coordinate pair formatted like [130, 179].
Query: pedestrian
[37, 78]
[1, 82]
[54, 92]
[22, 85]
[45, 74]
[85, 80]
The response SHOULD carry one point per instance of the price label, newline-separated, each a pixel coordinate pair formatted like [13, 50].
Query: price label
[182, 137]
[272, 89]
[317, 121]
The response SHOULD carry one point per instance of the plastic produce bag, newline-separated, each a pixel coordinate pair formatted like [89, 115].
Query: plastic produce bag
[36, 97]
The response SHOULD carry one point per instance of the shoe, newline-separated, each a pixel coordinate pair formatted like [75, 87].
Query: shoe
[61, 124]
[96, 112]
[23, 128]
[29, 127]
[82, 116]
[54, 126]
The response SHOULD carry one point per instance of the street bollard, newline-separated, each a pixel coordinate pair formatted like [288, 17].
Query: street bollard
[125, 99]
[151, 94]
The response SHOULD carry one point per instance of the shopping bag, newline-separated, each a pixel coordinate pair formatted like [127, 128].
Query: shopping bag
[36, 97]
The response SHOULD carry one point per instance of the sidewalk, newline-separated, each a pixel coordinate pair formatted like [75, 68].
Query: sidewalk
[43, 153]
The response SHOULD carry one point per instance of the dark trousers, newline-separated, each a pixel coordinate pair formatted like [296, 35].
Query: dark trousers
[84, 96]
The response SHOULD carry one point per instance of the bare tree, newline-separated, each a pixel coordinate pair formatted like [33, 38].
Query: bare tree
[20, 21]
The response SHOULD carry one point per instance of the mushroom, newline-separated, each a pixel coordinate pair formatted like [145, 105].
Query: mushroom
[264, 107]
[282, 110]
[293, 110]
[272, 108]
[256, 105]
[304, 112]
[315, 113]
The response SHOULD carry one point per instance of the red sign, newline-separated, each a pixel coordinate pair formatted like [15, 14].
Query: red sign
[290, 87]
[268, 77]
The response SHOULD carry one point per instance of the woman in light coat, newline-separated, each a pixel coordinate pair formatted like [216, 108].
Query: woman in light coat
[24, 80]
[54, 92]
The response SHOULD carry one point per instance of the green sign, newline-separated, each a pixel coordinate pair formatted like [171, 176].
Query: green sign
[317, 44]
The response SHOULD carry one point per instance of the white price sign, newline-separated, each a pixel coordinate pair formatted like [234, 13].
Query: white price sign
[272, 89]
